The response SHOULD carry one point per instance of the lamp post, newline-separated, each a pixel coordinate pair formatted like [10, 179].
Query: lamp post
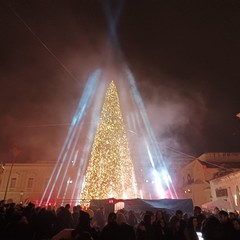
[21, 196]
[15, 152]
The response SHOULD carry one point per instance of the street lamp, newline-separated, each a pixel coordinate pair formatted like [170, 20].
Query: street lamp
[21, 196]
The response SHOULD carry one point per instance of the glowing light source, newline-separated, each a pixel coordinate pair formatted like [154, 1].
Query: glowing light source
[159, 186]
[69, 181]
[110, 169]
[56, 183]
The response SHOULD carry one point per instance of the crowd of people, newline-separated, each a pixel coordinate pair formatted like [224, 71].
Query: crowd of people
[29, 222]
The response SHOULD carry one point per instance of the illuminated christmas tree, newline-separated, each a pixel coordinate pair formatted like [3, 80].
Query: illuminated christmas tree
[110, 170]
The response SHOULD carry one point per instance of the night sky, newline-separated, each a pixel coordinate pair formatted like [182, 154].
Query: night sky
[185, 56]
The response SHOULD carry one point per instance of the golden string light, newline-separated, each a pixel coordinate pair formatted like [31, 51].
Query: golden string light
[110, 170]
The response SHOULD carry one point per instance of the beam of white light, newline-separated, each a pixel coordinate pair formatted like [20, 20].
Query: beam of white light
[154, 152]
[141, 194]
[55, 179]
[89, 140]
[75, 157]
[159, 187]
[137, 119]
[69, 162]
[87, 93]
[113, 18]
[66, 167]
[66, 189]
[149, 154]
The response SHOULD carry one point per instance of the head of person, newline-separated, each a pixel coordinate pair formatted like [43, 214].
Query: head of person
[179, 214]
[185, 216]
[67, 206]
[112, 217]
[216, 211]
[212, 229]
[197, 211]
[159, 214]
[75, 209]
[121, 219]
[236, 224]
[174, 223]
[232, 215]
[84, 220]
[147, 219]
[192, 222]
[223, 216]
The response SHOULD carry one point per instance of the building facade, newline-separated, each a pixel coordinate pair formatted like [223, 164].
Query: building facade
[203, 180]
[21, 182]
[227, 188]
[194, 179]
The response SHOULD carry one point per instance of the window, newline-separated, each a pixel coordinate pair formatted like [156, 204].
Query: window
[30, 183]
[221, 192]
[13, 182]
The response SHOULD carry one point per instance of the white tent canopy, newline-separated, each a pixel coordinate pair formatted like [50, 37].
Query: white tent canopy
[220, 203]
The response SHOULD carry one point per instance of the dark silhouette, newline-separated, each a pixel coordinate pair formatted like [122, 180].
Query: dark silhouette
[190, 230]
[110, 231]
[211, 229]
[126, 231]
[84, 226]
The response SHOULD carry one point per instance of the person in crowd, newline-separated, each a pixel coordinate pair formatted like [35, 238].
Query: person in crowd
[185, 217]
[110, 231]
[84, 226]
[69, 215]
[159, 225]
[2, 218]
[226, 225]
[63, 220]
[232, 215]
[45, 221]
[125, 231]
[18, 228]
[182, 223]
[30, 212]
[36, 223]
[173, 229]
[75, 216]
[100, 218]
[145, 230]
[197, 212]
[216, 212]
[236, 214]
[211, 229]
[236, 227]
[132, 219]
[190, 230]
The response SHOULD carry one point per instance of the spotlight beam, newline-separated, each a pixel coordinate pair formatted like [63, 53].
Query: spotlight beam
[83, 104]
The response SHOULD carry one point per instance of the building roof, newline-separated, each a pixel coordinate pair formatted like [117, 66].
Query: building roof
[222, 165]
[220, 157]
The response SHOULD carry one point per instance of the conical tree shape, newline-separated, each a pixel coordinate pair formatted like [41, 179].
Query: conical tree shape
[110, 170]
